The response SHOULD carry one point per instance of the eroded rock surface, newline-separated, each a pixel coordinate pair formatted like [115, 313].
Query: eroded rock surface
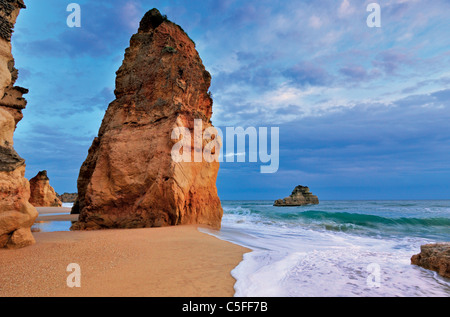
[129, 179]
[42, 193]
[17, 215]
[435, 257]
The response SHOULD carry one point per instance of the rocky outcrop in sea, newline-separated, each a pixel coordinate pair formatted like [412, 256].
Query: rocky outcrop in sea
[301, 196]
[129, 179]
[434, 257]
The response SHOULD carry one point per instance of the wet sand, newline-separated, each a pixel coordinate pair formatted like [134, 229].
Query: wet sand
[55, 214]
[161, 262]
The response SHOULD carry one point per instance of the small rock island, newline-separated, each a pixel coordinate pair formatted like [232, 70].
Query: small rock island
[301, 196]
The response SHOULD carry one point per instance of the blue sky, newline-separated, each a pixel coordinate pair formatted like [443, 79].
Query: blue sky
[363, 112]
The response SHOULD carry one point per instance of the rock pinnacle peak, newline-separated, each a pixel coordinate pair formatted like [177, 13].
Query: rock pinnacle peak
[151, 20]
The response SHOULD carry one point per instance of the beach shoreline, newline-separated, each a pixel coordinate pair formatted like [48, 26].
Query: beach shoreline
[157, 262]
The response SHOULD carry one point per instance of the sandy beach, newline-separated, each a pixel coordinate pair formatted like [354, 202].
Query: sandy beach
[161, 262]
[55, 214]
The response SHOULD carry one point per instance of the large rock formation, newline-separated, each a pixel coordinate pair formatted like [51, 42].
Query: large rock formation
[129, 179]
[301, 196]
[42, 194]
[435, 257]
[17, 215]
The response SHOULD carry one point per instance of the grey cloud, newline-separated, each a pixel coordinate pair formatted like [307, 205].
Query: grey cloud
[354, 72]
[308, 73]
[391, 60]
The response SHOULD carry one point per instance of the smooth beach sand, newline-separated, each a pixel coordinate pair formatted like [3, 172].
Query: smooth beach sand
[55, 214]
[160, 262]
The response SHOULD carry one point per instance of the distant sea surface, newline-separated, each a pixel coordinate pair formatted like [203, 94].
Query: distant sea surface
[337, 248]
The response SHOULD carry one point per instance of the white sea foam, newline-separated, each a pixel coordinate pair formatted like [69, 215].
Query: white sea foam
[333, 273]
[296, 260]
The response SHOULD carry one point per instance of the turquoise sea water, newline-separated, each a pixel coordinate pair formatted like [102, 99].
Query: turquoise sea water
[337, 248]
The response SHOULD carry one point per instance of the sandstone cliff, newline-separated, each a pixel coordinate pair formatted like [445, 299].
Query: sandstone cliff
[17, 215]
[42, 194]
[435, 257]
[301, 196]
[129, 179]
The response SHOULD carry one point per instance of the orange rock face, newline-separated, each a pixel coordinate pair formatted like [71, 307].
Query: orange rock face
[42, 194]
[129, 179]
[17, 215]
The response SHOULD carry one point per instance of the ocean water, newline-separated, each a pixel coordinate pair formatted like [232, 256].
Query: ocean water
[53, 226]
[336, 249]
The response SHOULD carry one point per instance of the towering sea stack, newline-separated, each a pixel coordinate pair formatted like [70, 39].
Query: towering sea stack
[17, 215]
[301, 196]
[129, 179]
[42, 194]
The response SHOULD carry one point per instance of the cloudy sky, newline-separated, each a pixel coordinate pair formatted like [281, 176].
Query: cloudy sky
[363, 112]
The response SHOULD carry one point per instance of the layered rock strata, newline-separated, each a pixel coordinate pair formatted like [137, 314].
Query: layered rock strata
[42, 193]
[301, 196]
[129, 179]
[17, 215]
